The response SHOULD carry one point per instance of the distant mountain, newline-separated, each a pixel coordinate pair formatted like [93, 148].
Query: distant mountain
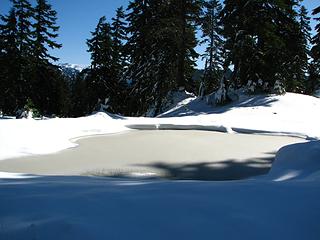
[71, 70]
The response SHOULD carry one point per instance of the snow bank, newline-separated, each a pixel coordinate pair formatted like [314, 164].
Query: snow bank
[290, 114]
[296, 162]
[26, 136]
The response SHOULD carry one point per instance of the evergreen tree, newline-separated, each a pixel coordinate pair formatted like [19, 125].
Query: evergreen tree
[211, 29]
[265, 43]
[139, 52]
[8, 62]
[187, 13]
[314, 68]
[120, 58]
[119, 37]
[102, 80]
[305, 28]
[24, 13]
[100, 45]
[46, 88]
[295, 60]
[239, 22]
[299, 66]
[161, 51]
[316, 38]
[45, 31]
[79, 95]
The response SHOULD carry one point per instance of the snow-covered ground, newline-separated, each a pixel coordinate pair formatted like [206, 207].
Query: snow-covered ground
[281, 205]
[291, 114]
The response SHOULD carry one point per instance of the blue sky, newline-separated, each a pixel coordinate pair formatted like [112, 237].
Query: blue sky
[77, 18]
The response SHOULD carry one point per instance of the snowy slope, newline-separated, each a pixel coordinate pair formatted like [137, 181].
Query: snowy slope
[290, 114]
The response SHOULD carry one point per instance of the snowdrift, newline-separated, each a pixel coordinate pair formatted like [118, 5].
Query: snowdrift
[297, 162]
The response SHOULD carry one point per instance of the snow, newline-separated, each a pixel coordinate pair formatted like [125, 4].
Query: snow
[290, 114]
[283, 204]
[297, 161]
[77, 67]
[102, 208]
[27, 136]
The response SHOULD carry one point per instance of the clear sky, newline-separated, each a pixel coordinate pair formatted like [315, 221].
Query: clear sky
[77, 18]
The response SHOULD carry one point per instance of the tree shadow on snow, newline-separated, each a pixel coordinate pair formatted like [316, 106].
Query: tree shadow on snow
[199, 107]
[230, 169]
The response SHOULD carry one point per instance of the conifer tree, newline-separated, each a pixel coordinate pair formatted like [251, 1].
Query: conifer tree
[24, 13]
[44, 32]
[187, 14]
[211, 29]
[100, 45]
[295, 54]
[138, 50]
[119, 37]
[239, 22]
[101, 82]
[119, 58]
[8, 62]
[161, 50]
[316, 38]
[265, 43]
[314, 67]
[299, 66]
[46, 79]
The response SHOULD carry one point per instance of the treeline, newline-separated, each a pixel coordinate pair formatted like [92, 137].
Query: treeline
[148, 51]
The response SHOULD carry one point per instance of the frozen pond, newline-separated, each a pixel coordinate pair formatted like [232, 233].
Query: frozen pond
[203, 155]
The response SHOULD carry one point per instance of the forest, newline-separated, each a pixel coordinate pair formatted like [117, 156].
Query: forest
[147, 52]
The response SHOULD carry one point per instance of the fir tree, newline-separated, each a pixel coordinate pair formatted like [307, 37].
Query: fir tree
[119, 37]
[265, 43]
[295, 59]
[161, 50]
[45, 31]
[24, 13]
[119, 58]
[316, 38]
[314, 68]
[45, 88]
[211, 29]
[100, 45]
[300, 64]
[8, 62]
[138, 50]
[102, 80]
[187, 14]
